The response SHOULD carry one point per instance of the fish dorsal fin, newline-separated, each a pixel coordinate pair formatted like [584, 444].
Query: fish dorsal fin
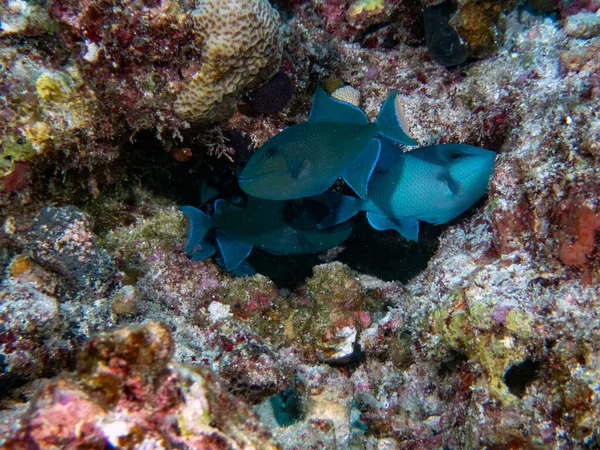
[408, 227]
[207, 192]
[391, 122]
[203, 250]
[220, 205]
[359, 174]
[328, 109]
[233, 250]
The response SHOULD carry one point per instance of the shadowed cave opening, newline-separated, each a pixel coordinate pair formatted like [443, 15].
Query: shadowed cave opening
[383, 254]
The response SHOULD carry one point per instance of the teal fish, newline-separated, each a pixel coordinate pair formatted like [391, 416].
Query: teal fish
[266, 224]
[433, 184]
[337, 140]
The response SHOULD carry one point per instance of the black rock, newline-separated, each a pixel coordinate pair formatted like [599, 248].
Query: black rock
[444, 44]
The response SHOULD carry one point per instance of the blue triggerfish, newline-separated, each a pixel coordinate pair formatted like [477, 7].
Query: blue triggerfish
[434, 184]
[266, 224]
[337, 140]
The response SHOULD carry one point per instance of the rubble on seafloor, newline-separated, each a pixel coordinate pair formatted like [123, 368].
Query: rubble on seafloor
[483, 334]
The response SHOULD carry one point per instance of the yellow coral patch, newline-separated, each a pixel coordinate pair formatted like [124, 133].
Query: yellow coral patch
[52, 89]
[368, 6]
[38, 132]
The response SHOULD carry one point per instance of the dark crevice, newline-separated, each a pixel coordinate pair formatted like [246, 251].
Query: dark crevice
[287, 407]
[519, 376]
[145, 162]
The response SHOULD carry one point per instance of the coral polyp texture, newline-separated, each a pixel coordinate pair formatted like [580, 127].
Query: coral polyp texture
[483, 334]
[240, 48]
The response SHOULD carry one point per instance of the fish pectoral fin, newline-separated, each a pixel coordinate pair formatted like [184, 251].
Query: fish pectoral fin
[321, 240]
[329, 109]
[203, 250]
[220, 205]
[233, 250]
[453, 185]
[341, 208]
[407, 227]
[360, 173]
[300, 169]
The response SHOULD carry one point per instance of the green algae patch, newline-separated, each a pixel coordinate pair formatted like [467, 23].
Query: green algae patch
[367, 6]
[49, 112]
[15, 149]
[161, 230]
[489, 336]
[322, 319]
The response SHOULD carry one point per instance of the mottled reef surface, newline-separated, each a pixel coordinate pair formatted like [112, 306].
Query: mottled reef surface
[484, 334]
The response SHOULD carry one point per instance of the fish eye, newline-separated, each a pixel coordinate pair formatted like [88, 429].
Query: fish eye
[270, 152]
[455, 155]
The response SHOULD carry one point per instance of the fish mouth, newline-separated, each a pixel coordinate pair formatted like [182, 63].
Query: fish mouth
[243, 179]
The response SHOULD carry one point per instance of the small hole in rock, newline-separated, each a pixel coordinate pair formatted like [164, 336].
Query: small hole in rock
[287, 408]
[521, 375]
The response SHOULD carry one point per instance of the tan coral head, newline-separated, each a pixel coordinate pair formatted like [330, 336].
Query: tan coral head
[241, 48]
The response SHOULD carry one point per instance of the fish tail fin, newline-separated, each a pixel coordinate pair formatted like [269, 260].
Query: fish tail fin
[199, 223]
[341, 208]
[391, 123]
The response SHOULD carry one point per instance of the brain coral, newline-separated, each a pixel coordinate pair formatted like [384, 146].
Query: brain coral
[241, 47]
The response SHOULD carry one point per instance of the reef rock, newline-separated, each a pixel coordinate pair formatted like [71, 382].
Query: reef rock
[126, 393]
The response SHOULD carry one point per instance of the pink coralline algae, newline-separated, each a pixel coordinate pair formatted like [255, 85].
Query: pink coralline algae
[130, 53]
[126, 394]
[30, 328]
[61, 240]
[580, 224]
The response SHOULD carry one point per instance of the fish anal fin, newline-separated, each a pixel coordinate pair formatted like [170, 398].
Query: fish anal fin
[407, 227]
[233, 250]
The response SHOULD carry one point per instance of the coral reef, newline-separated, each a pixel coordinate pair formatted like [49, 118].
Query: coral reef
[240, 47]
[79, 79]
[485, 333]
[30, 320]
[126, 394]
[61, 240]
[444, 43]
